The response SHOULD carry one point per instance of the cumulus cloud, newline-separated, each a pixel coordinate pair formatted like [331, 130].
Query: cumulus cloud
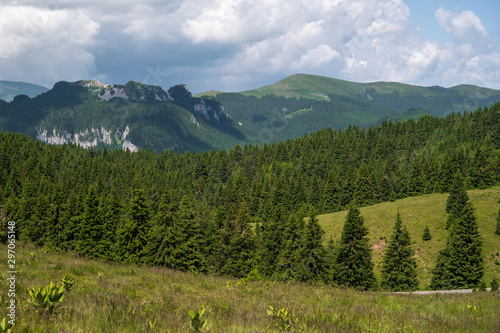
[42, 45]
[238, 44]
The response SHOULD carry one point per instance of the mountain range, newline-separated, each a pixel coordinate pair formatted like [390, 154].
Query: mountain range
[136, 115]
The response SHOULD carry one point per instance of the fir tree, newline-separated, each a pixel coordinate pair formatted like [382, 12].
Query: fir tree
[461, 263]
[458, 196]
[91, 228]
[426, 236]
[363, 188]
[237, 244]
[353, 265]
[132, 235]
[399, 266]
[312, 260]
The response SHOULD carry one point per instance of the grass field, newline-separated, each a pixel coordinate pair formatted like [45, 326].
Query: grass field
[416, 213]
[110, 297]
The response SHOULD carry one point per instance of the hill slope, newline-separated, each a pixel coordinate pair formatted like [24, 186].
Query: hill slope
[10, 89]
[416, 213]
[131, 116]
[304, 103]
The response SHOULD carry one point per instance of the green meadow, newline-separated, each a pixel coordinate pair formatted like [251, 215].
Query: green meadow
[416, 213]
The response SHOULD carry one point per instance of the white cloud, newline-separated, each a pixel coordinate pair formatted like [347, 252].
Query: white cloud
[42, 45]
[466, 27]
[237, 44]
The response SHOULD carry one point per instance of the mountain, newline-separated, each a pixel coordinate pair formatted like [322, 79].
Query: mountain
[304, 103]
[10, 89]
[131, 116]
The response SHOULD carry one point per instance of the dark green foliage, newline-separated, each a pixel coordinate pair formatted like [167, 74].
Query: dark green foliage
[132, 235]
[353, 265]
[399, 266]
[461, 263]
[458, 196]
[311, 256]
[426, 236]
[91, 229]
[494, 284]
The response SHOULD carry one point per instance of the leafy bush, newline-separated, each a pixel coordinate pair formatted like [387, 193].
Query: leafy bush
[47, 298]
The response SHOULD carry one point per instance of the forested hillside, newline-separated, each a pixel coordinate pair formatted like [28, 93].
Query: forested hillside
[304, 103]
[129, 116]
[194, 212]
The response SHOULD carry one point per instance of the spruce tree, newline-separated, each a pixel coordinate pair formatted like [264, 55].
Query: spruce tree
[353, 265]
[458, 196]
[427, 234]
[363, 188]
[399, 266]
[312, 258]
[132, 235]
[91, 228]
[461, 263]
[237, 244]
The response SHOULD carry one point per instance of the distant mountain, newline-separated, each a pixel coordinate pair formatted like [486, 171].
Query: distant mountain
[10, 89]
[304, 103]
[129, 116]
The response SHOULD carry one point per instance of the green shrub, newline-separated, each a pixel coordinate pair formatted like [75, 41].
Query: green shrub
[47, 298]
[494, 284]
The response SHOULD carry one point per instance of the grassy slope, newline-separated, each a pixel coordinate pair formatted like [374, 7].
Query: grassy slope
[125, 299]
[314, 86]
[416, 213]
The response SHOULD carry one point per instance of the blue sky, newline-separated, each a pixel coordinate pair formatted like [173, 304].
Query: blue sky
[233, 45]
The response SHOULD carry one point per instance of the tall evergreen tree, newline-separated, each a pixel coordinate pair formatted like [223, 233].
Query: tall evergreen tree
[132, 235]
[398, 265]
[458, 196]
[237, 244]
[461, 263]
[364, 187]
[91, 228]
[312, 259]
[353, 265]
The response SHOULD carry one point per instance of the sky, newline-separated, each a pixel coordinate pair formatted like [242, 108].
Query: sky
[235, 45]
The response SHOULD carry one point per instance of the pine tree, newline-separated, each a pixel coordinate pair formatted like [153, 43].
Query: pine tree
[461, 263]
[312, 259]
[399, 266]
[110, 212]
[363, 188]
[91, 228]
[458, 196]
[132, 235]
[426, 236]
[237, 244]
[353, 265]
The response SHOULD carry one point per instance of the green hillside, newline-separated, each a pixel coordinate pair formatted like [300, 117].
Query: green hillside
[9, 89]
[304, 103]
[416, 213]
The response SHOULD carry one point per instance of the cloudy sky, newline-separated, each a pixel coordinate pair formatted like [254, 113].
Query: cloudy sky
[233, 45]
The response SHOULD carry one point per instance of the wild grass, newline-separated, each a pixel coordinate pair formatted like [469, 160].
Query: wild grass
[111, 297]
[416, 213]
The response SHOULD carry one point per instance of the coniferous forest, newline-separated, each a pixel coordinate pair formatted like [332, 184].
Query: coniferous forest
[252, 210]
